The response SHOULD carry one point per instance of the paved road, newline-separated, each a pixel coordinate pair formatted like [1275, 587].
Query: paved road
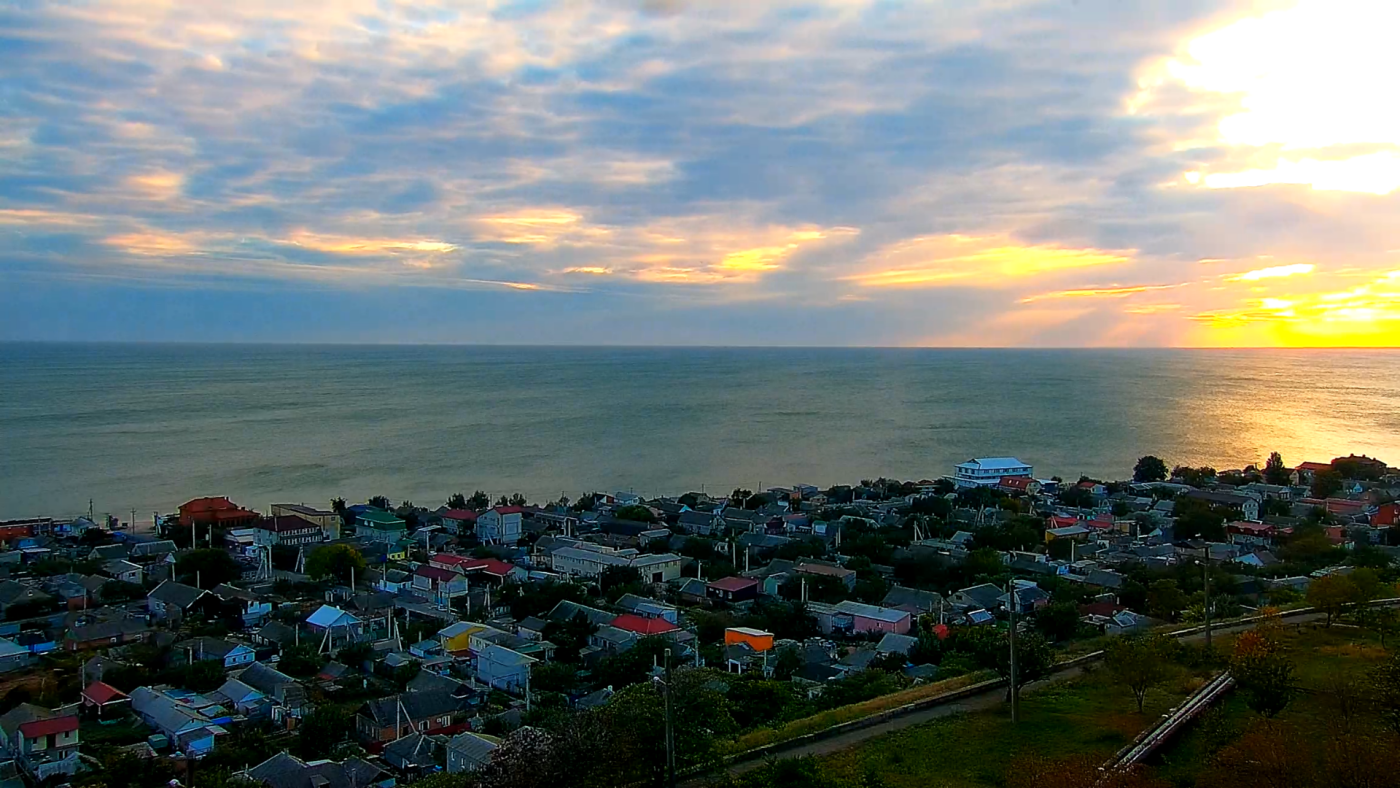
[988, 700]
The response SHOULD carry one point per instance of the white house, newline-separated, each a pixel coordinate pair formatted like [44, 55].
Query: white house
[989, 471]
[581, 561]
[501, 525]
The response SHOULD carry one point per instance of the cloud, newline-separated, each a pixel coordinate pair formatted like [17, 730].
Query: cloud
[1276, 272]
[974, 261]
[894, 171]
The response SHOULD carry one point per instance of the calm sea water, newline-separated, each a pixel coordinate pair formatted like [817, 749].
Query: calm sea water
[146, 427]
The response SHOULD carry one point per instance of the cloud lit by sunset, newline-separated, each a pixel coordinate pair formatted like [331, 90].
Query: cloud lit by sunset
[794, 172]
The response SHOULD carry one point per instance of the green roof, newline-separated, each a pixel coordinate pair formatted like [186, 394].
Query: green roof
[378, 519]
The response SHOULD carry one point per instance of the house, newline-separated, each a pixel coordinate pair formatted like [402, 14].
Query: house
[1018, 485]
[103, 634]
[470, 752]
[154, 552]
[459, 521]
[287, 530]
[16, 595]
[438, 584]
[1247, 505]
[123, 570]
[892, 643]
[275, 633]
[500, 525]
[1258, 534]
[190, 729]
[200, 649]
[329, 522]
[36, 641]
[824, 569]
[503, 668]
[642, 625]
[646, 607]
[105, 699]
[1028, 597]
[218, 511]
[733, 589]
[859, 618]
[756, 639]
[1078, 533]
[283, 690]
[416, 754]
[586, 560]
[334, 624]
[989, 471]
[172, 601]
[385, 719]
[985, 596]
[254, 609]
[43, 743]
[700, 523]
[12, 531]
[13, 656]
[912, 599]
[380, 526]
[286, 771]
[109, 552]
[456, 638]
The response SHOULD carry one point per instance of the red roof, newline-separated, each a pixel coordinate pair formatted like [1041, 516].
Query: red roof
[1056, 521]
[734, 584]
[491, 566]
[509, 510]
[48, 727]
[436, 573]
[101, 692]
[1257, 529]
[460, 514]
[1104, 609]
[1015, 482]
[208, 504]
[644, 626]
[451, 559]
[1314, 466]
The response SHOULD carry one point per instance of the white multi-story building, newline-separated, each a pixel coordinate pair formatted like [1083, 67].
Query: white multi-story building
[988, 471]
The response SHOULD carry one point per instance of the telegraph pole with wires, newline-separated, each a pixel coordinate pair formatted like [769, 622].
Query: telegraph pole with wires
[1015, 696]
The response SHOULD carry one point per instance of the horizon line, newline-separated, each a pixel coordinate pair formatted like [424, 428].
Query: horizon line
[625, 346]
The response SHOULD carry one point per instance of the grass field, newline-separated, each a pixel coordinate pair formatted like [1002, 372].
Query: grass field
[855, 711]
[1319, 654]
[1085, 715]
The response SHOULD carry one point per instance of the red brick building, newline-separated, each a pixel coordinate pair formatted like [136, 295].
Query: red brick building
[216, 511]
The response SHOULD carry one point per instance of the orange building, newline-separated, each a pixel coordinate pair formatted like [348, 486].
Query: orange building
[216, 511]
[756, 639]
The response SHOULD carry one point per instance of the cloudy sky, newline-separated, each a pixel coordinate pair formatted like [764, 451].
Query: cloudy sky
[720, 172]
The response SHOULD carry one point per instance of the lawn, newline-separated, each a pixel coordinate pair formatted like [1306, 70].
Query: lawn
[1085, 715]
[1319, 654]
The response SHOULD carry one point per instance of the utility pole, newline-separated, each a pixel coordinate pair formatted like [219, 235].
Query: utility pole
[670, 728]
[1015, 706]
[1207, 565]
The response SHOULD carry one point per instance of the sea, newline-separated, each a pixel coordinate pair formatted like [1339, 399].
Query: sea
[135, 429]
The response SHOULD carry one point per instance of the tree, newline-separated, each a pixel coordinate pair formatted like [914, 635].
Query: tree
[1077, 498]
[554, 677]
[301, 661]
[380, 502]
[1034, 659]
[339, 561]
[208, 568]
[613, 581]
[570, 637]
[457, 501]
[1262, 673]
[1165, 600]
[1332, 594]
[1058, 621]
[1138, 663]
[479, 501]
[1275, 472]
[321, 731]
[1150, 469]
[1325, 484]
[635, 513]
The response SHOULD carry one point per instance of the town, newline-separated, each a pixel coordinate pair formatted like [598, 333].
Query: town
[612, 640]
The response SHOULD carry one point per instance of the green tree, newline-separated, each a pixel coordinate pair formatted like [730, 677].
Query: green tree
[1058, 620]
[614, 581]
[338, 561]
[701, 721]
[1326, 484]
[457, 501]
[1385, 686]
[635, 513]
[207, 567]
[479, 501]
[1139, 663]
[1275, 472]
[1165, 599]
[1263, 674]
[570, 637]
[301, 661]
[321, 731]
[1150, 469]
[1034, 659]
[554, 677]
[1332, 594]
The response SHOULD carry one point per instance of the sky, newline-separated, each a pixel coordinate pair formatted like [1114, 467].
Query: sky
[979, 173]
